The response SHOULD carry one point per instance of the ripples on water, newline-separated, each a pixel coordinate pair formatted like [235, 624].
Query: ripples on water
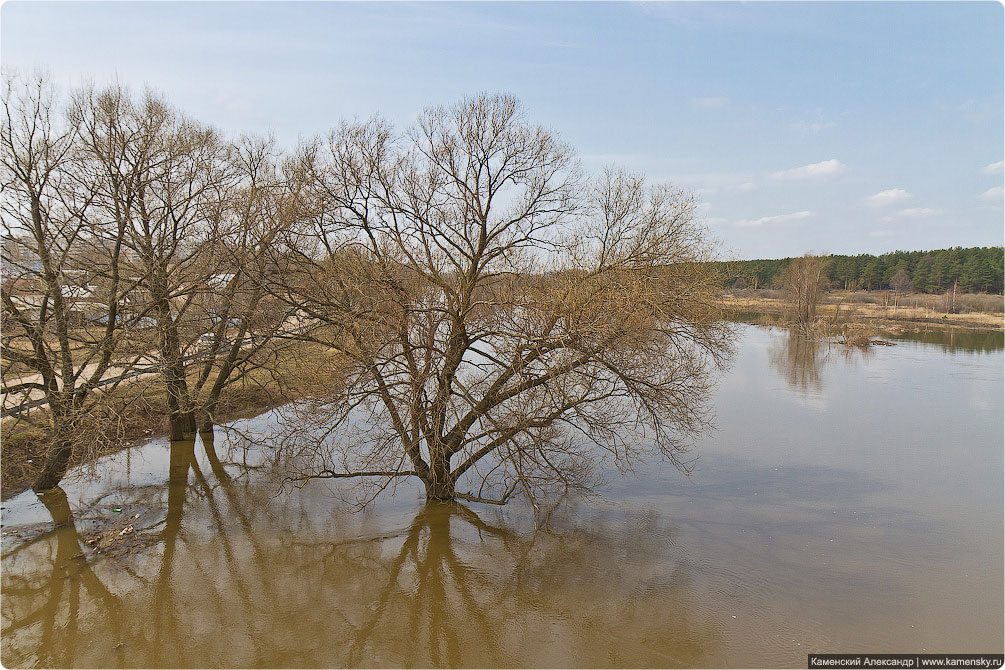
[849, 501]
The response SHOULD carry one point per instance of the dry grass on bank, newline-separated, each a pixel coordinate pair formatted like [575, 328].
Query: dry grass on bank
[140, 412]
[879, 308]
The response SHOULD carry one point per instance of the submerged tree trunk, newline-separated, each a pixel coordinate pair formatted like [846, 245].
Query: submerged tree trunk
[181, 417]
[206, 422]
[439, 482]
[54, 499]
[55, 466]
[442, 491]
[208, 411]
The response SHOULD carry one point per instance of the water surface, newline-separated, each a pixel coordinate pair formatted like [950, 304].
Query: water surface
[850, 500]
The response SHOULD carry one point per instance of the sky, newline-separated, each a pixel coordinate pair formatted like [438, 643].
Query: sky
[826, 127]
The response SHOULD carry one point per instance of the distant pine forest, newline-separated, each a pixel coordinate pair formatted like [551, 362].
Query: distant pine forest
[972, 270]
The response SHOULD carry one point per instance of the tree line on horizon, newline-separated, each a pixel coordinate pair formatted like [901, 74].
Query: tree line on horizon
[972, 270]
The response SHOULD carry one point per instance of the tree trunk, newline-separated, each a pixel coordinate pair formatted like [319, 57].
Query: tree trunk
[54, 499]
[439, 484]
[208, 412]
[442, 491]
[55, 466]
[181, 417]
[181, 421]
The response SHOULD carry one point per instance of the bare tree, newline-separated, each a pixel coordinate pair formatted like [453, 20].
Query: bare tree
[63, 289]
[198, 215]
[489, 317]
[158, 175]
[243, 325]
[900, 283]
[802, 281]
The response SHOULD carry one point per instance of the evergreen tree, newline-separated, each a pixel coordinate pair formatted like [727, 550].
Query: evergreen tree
[938, 277]
[977, 268]
[872, 276]
[970, 275]
[921, 277]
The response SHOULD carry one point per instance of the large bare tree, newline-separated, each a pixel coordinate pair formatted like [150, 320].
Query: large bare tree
[132, 236]
[64, 326]
[243, 328]
[198, 214]
[161, 178]
[494, 322]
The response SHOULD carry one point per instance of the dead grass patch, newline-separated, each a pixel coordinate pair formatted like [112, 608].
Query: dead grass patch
[975, 311]
[140, 412]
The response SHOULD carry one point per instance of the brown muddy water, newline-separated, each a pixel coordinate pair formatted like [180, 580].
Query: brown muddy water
[850, 501]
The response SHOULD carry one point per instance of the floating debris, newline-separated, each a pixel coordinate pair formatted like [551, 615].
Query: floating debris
[102, 541]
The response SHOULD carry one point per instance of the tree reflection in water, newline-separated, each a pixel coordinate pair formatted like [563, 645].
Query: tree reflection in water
[235, 576]
[799, 359]
[459, 591]
[41, 608]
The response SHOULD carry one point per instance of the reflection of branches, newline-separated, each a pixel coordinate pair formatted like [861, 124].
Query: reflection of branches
[447, 587]
[166, 624]
[459, 591]
[170, 634]
[798, 359]
[56, 645]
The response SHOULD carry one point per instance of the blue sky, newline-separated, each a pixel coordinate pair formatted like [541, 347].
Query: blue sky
[817, 126]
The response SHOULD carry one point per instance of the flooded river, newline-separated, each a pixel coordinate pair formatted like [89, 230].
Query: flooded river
[850, 501]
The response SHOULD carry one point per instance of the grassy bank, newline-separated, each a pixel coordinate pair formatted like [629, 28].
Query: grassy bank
[140, 411]
[882, 309]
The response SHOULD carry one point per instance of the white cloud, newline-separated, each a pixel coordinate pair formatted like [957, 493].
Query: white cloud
[778, 218]
[888, 197]
[745, 187]
[912, 213]
[994, 168]
[709, 103]
[715, 220]
[880, 233]
[819, 170]
[993, 193]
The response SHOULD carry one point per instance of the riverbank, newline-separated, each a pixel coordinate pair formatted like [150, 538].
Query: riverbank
[135, 413]
[25, 446]
[881, 310]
